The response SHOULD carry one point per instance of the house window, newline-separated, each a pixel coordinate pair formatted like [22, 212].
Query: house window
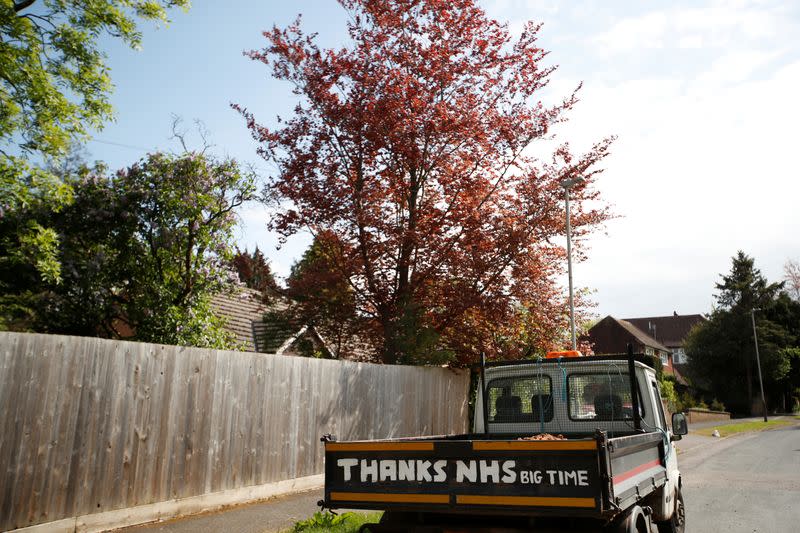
[679, 356]
[664, 358]
[648, 351]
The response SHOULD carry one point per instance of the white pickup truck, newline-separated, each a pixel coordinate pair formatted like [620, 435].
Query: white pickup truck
[564, 443]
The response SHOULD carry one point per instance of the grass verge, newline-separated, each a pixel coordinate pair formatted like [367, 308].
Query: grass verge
[339, 523]
[730, 429]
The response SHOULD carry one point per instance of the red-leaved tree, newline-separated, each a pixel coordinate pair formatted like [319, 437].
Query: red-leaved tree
[413, 146]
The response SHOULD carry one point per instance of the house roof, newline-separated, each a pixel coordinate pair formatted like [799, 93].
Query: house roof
[607, 337]
[243, 312]
[275, 332]
[669, 330]
[269, 328]
[640, 335]
[240, 310]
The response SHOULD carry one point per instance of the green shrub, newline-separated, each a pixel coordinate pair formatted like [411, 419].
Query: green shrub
[335, 523]
[686, 401]
[320, 519]
[668, 393]
[717, 405]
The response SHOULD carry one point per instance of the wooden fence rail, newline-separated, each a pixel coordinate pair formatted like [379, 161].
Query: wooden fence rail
[91, 425]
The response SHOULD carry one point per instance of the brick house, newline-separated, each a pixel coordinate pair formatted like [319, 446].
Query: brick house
[671, 331]
[612, 336]
[660, 336]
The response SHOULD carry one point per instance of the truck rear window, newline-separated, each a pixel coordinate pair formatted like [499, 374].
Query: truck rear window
[520, 399]
[600, 396]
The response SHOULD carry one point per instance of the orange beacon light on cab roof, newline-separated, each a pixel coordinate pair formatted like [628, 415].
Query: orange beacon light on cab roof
[566, 353]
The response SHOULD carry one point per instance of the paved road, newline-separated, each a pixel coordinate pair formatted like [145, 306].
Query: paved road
[746, 483]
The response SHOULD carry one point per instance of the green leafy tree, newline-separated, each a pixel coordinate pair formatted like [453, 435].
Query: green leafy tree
[142, 252]
[54, 90]
[722, 350]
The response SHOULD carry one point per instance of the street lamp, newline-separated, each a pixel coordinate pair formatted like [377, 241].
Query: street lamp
[758, 360]
[568, 184]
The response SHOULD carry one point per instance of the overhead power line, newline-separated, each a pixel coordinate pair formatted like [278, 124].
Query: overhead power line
[122, 145]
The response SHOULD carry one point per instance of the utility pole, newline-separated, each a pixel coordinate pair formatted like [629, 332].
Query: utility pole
[758, 360]
[567, 184]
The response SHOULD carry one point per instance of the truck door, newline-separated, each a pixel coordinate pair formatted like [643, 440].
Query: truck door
[673, 474]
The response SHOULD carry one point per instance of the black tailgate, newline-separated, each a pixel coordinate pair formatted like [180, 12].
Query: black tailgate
[529, 477]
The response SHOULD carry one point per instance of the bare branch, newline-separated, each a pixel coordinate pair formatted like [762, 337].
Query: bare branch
[179, 134]
[25, 4]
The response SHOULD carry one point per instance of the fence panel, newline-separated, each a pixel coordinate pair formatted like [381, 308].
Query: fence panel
[92, 425]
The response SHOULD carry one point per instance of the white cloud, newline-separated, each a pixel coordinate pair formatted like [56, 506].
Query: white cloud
[701, 169]
[737, 66]
[703, 99]
[716, 26]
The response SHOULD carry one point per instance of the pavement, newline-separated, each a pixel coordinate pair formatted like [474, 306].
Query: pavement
[280, 514]
[275, 514]
[694, 440]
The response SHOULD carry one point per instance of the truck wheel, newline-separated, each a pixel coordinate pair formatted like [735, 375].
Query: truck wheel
[394, 518]
[677, 522]
[634, 521]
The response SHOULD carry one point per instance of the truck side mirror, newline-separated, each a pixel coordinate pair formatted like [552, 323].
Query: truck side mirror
[679, 424]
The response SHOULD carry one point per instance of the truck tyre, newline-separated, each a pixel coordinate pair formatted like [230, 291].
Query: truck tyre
[398, 518]
[677, 522]
[634, 521]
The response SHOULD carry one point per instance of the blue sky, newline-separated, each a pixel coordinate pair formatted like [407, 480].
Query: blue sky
[702, 95]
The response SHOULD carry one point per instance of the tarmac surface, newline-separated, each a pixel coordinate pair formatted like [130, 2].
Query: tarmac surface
[748, 482]
[731, 491]
[275, 514]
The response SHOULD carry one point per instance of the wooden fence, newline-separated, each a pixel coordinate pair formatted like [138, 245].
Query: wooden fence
[91, 425]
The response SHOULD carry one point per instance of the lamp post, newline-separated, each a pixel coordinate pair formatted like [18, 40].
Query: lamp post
[567, 184]
[758, 360]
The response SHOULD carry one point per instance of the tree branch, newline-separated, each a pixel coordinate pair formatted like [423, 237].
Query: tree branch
[25, 4]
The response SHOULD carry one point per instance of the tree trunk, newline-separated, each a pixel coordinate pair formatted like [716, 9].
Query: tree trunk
[391, 343]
